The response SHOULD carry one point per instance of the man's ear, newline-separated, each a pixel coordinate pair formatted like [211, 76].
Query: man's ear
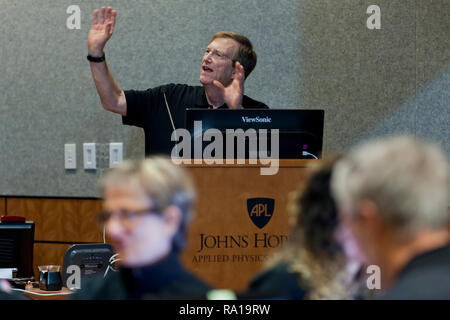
[172, 217]
[370, 216]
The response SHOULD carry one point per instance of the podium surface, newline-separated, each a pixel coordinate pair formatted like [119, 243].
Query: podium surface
[240, 219]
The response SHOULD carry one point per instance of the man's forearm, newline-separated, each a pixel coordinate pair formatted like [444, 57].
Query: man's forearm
[111, 95]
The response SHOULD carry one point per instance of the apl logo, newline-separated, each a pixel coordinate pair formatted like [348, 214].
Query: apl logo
[260, 210]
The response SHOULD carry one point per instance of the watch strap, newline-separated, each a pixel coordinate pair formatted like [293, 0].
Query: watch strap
[96, 59]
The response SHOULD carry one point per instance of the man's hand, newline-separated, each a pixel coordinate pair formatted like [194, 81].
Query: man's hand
[101, 31]
[232, 95]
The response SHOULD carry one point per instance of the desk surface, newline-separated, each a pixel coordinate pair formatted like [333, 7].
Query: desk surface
[38, 294]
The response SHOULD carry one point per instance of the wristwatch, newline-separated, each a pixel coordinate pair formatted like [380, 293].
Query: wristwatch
[96, 59]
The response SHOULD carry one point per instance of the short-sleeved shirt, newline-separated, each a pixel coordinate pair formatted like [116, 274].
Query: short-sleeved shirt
[147, 109]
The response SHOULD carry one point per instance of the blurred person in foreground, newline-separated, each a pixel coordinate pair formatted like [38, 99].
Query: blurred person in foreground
[311, 265]
[7, 292]
[147, 207]
[392, 196]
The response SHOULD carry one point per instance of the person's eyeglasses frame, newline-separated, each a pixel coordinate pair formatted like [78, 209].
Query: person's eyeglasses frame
[216, 53]
[125, 216]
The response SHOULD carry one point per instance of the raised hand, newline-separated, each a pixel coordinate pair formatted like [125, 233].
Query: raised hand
[101, 30]
[232, 94]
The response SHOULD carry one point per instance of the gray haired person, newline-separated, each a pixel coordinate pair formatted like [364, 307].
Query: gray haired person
[392, 197]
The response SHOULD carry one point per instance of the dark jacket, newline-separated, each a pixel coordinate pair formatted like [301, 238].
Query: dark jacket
[426, 276]
[164, 280]
[275, 283]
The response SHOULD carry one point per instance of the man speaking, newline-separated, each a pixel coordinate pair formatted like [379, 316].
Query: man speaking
[228, 60]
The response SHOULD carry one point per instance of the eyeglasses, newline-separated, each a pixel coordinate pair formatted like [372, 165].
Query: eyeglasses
[125, 217]
[215, 53]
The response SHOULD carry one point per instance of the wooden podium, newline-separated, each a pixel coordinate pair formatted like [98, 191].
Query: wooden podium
[226, 247]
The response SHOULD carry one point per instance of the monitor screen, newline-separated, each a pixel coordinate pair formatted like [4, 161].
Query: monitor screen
[16, 247]
[300, 131]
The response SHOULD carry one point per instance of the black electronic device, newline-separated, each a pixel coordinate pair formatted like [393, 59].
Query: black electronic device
[93, 260]
[16, 247]
[300, 131]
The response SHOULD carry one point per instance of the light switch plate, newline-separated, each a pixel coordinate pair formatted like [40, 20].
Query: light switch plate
[70, 156]
[115, 154]
[89, 156]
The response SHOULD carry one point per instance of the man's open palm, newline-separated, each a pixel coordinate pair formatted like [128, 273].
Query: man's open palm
[233, 94]
[101, 30]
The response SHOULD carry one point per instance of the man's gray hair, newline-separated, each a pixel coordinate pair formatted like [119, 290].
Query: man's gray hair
[406, 178]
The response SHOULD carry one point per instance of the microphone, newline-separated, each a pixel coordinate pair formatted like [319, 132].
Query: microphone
[164, 90]
[168, 109]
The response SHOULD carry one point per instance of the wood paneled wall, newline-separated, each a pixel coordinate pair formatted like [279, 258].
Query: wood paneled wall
[2, 206]
[60, 220]
[59, 223]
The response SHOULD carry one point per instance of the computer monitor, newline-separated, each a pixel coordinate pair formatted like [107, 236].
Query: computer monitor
[300, 131]
[16, 247]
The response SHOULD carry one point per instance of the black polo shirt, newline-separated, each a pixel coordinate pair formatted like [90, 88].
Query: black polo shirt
[147, 109]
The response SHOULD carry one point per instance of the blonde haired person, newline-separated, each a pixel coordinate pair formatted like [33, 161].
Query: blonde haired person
[312, 264]
[147, 207]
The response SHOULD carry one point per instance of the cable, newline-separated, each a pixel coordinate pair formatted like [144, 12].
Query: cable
[113, 256]
[171, 120]
[106, 272]
[42, 294]
[306, 153]
[168, 110]
[109, 268]
[111, 261]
